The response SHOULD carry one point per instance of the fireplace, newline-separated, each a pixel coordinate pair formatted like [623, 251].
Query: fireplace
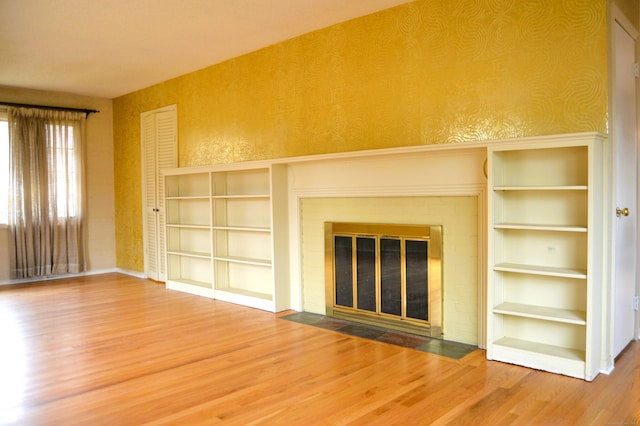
[388, 275]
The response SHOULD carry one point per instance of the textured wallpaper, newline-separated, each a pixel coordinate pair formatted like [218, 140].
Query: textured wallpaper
[428, 72]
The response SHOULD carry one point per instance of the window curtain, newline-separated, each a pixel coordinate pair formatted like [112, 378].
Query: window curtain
[46, 192]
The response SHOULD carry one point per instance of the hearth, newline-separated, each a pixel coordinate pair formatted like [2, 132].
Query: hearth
[387, 275]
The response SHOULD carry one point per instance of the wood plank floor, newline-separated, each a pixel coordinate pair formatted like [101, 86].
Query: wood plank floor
[111, 349]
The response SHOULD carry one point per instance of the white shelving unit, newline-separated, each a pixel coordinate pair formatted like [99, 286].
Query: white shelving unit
[545, 239]
[188, 230]
[227, 227]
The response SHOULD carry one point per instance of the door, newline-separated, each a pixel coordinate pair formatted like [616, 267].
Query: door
[625, 181]
[159, 152]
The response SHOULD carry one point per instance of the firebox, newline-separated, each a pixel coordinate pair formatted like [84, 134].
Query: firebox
[388, 275]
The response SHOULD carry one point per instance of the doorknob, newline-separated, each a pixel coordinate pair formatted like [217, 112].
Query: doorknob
[622, 212]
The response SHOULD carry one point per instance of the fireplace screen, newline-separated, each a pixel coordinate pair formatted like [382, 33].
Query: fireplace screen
[387, 275]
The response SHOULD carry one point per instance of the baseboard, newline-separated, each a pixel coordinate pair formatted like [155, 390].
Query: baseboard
[131, 273]
[58, 277]
[606, 368]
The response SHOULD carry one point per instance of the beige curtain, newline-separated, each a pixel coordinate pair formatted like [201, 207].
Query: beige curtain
[46, 192]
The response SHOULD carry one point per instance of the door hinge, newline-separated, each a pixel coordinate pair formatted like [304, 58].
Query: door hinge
[635, 303]
[636, 70]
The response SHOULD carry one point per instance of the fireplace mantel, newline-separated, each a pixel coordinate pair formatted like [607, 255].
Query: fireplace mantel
[443, 186]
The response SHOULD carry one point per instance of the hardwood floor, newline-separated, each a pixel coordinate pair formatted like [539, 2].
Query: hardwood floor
[112, 349]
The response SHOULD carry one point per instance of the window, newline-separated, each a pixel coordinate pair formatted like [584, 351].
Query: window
[65, 189]
[4, 171]
[65, 193]
[46, 192]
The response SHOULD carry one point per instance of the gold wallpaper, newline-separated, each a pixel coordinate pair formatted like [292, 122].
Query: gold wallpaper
[428, 72]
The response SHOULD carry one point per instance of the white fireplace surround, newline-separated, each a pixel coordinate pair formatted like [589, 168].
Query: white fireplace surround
[441, 185]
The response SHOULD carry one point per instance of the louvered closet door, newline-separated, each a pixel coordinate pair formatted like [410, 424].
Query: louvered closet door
[159, 151]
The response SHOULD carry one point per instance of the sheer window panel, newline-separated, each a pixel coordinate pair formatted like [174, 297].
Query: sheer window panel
[4, 170]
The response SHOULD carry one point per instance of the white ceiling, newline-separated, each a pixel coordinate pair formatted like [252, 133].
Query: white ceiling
[107, 48]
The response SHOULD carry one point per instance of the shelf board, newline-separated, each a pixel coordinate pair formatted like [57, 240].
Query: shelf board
[541, 270]
[241, 228]
[186, 253]
[543, 313]
[240, 196]
[540, 188]
[542, 349]
[185, 226]
[188, 197]
[533, 227]
[244, 260]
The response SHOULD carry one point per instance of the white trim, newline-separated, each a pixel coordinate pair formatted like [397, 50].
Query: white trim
[608, 369]
[295, 252]
[391, 191]
[616, 16]
[482, 266]
[625, 23]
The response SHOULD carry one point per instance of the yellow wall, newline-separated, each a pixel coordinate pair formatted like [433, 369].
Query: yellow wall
[428, 72]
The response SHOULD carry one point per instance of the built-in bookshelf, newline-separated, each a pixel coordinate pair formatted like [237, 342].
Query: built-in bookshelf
[188, 231]
[545, 239]
[221, 241]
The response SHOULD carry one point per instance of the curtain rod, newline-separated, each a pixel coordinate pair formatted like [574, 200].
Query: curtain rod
[85, 110]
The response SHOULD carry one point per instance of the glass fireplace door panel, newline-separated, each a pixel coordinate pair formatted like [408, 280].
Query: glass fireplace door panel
[390, 277]
[366, 273]
[417, 279]
[344, 271]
